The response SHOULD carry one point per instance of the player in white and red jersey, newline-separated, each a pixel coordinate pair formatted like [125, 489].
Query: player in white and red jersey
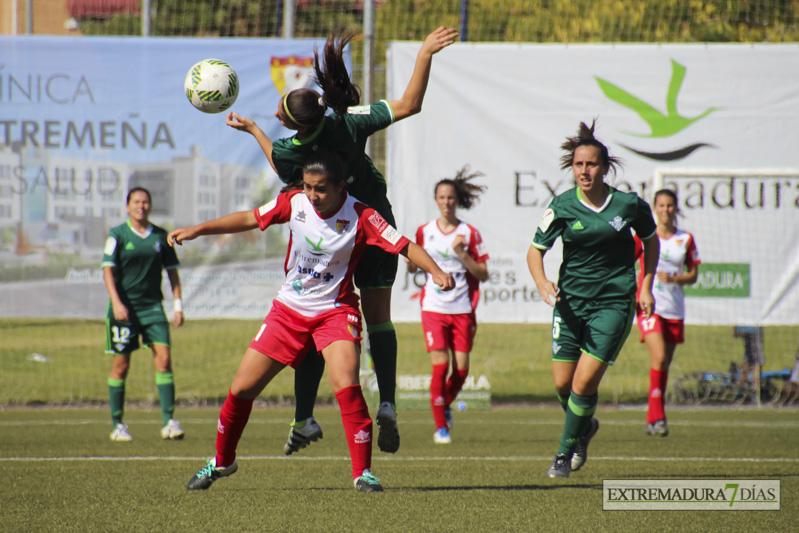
[448, 318]
[665, 329]
[316, 304]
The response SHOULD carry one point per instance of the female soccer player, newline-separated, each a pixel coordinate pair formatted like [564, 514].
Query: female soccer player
[317, 303]
[448, 318]
[665, 329]
[594, 299]
[345, 132]
[135, 252]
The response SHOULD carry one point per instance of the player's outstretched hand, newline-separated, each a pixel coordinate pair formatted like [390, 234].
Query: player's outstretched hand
[179, 235]
[236, 121]
[439, 39]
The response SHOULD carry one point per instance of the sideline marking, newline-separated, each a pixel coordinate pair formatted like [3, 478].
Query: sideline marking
[392, 459]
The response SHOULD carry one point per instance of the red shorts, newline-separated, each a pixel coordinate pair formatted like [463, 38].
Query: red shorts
[442, 332]
[286, 336]
[673, 329]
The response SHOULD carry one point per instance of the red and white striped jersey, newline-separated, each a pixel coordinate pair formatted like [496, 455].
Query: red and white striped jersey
[464, 297]
[323, 252]
[676, 253]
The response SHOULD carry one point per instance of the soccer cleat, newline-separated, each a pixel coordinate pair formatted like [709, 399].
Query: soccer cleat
[172, 431]
[367, 483]
[560, 467]
[581, 451]
[388, 440]
[448, 416]
[441, 436]
[120, 434]
[658, 428]
[210, 473]
[302, 434]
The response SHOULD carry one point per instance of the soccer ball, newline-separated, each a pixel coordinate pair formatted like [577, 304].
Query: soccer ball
[211, 86]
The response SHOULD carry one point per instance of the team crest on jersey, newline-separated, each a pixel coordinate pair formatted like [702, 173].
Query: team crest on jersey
[355, 332]
[617, 223]
[342, 226]
[157, 247]
[300, 216]
[555, 347]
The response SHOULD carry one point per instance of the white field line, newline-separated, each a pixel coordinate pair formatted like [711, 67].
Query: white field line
[329, 420]
[414, 459]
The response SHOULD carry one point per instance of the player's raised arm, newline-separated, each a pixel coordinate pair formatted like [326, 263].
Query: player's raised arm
[237, 122]
[411, 101]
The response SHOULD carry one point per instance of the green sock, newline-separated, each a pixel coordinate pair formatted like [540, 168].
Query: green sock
[116, 395]
[564, 401]
[306, 384]
[166, 393]
[578, 420]
[383, 345]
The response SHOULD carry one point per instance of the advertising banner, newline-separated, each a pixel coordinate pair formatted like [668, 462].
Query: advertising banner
[84, 120]
[716, 123]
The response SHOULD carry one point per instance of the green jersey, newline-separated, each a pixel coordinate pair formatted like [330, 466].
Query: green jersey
[137, 261]
[346, 135]
[598, 246]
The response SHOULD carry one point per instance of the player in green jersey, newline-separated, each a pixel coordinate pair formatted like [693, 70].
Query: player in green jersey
[135, 253]
[594, 298]
[345, 132]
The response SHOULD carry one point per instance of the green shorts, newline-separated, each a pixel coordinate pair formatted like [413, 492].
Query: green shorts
[377, 268]
[123, 337]
[598, 328]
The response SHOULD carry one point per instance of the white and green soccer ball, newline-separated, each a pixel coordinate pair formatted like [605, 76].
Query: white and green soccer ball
[211, 86]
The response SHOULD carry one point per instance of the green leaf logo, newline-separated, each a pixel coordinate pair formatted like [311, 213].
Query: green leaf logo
[316, 247]
[660, 124]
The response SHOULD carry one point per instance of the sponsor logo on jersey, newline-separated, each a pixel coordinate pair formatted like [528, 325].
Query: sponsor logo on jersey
[264, 209]
[546, 220]
[342, 226]
[110, 246]
[377, 221]
[617, 223]
[578, 225]
[362, 437]
[300, 216]
[355, 319]
[390, 234]
[316, 249]
[129, 246]
[359, 110]
[444, 254]
[297, 286]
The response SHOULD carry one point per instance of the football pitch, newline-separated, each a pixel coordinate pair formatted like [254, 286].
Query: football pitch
[61, 472]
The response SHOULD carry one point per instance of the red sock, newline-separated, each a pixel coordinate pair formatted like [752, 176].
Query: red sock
[657, 393]
[455, 384]
[232, 420]
[437, 395]
[357, 427]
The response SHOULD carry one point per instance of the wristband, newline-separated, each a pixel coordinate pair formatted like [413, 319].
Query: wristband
[178, 305]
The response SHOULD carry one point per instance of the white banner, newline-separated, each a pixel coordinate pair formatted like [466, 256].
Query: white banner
[716, 122]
